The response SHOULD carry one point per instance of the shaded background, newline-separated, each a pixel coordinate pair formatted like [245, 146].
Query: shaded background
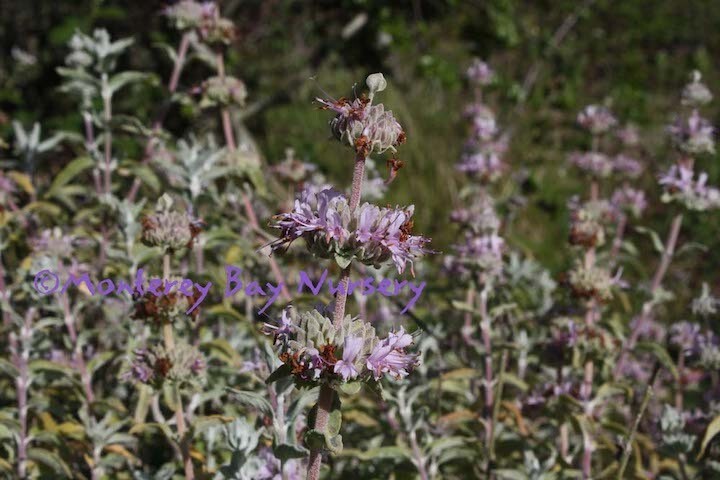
[552, 58]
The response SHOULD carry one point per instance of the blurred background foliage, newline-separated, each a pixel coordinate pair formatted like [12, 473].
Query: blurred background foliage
[552, 57]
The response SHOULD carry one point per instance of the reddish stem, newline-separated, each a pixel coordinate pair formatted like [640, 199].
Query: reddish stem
[667, 255]
[326, 392]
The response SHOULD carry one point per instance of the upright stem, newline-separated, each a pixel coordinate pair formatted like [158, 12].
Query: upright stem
[636, 425]
[21, 357]
[467, 330]
[487, 344]
[667, 255]
[107, 117]
[617, 241]
[588, 446]
[326, 392]
[169, 341]
[157, 125]
[4, 295]
[589, 369]
[90, 146]
[79, 360]
[418, 456]
[679, 390]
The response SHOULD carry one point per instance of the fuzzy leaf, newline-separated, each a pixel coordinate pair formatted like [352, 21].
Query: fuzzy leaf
[71, 170]
[50, 460]
[202, 423]
[252, 399]
[389, 452]
[142, 427]
[23, 181]
[121, 79]
[661, 354]
[657, 243]
[8, 368]
[712, 431]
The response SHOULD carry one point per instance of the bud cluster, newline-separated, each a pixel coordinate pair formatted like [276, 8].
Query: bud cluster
[366, 127]
[167, 228]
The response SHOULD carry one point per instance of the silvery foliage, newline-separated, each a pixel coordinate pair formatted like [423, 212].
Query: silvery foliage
[674, 438]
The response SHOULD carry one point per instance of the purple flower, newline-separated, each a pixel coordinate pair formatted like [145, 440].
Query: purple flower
[695, 194]
[389, 357]
[484, 125]
[685, 335]
[7, 186]
[325, 222]
[629, 135]
[630, 199]
[346, 366]
[314, 212]
[596, 118]
[197, 365]
[693, 135]
[286, 325]
[627, 165]
[140, 369]
[595, 163]
[482, 253]
[480, 73]
[482, 165]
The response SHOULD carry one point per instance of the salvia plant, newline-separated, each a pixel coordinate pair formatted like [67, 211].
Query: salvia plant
[177, 305]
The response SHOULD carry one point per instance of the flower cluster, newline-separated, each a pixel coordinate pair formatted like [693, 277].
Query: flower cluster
[693, 135]
[482, 156]
[484, 163]
[167, 228]
[587, 222]
[371, 235]
[479, 73]
[596, 163]
[292, 170]
[189, 14]
[706, 304]
[597, 119]
[592, 282]
[480, 254]
[164, 308]
[219, 91]
[366, 127]
[203, 17]
[696, 93]
[314, 351]
[479, 216]
[628, 135]
[629, 199]
[681, 185]
[627, 166]
[183, 366]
